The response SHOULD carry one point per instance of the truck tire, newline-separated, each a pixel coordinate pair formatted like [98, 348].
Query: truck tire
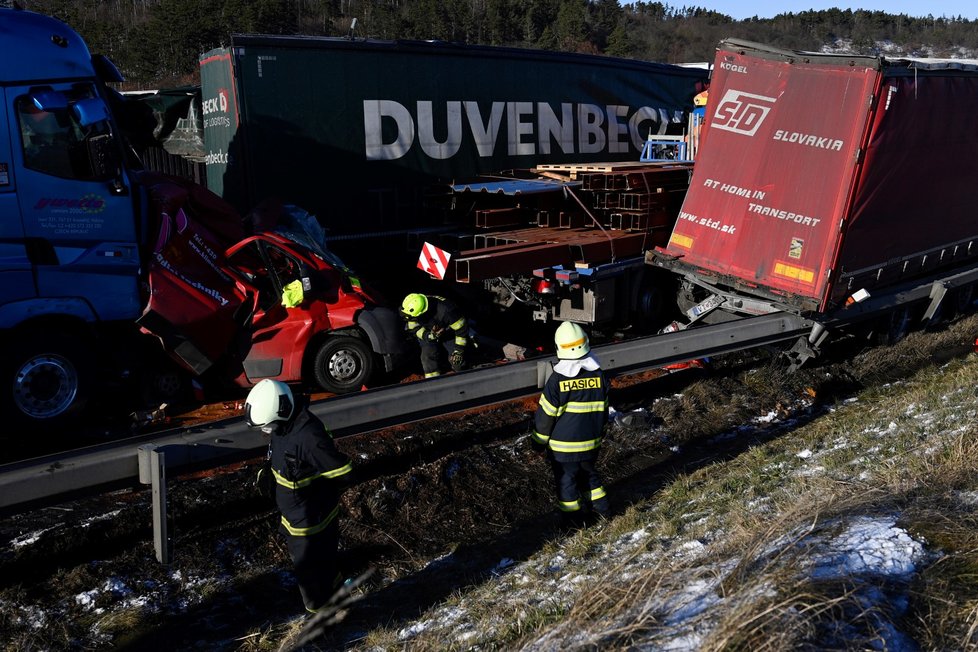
[50, 380]
[964, 300]
[649, 312]
[893, 327]
[343, 364]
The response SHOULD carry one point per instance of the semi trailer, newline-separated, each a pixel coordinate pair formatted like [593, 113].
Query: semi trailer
[389, 144]
[835, 187]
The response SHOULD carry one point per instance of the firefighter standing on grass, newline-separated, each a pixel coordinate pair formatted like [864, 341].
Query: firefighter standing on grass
[569, 422]
[439, 325]
[309, 473]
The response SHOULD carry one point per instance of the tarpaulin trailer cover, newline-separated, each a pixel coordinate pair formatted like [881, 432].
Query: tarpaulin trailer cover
[354, 130]
[819, 175]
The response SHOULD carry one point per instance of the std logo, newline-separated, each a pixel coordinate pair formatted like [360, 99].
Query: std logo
[742, 112]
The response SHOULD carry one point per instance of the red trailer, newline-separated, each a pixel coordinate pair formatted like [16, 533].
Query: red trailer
[822, 176]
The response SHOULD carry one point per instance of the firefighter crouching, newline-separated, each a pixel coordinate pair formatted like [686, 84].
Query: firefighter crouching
[569, 423]
[309, 473]
[439, 326]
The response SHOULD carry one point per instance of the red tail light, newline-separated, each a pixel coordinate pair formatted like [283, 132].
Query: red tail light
[543, 286]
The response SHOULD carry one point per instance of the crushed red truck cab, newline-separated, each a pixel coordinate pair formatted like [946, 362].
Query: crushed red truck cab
[274, 304]
[822, 175]
[328, 336]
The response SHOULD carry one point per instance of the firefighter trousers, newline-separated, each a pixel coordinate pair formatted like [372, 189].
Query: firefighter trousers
[576, 478]
[433, 353]
[316, 570]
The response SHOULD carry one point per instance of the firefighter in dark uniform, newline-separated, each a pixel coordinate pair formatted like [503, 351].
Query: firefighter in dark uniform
[309, 473]
[439, 325]
[569, 423]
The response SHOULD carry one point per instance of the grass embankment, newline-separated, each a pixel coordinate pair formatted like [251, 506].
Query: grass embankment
[852, 529]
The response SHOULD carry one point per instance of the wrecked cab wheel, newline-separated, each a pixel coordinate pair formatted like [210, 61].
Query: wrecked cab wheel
[51, 380]
[343, 364]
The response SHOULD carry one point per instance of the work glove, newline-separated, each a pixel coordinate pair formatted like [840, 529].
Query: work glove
[434, 334]
[457, 359]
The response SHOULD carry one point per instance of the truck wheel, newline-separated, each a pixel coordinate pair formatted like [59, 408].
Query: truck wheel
[343, 364]
[893, 327]
[651, 306]
[50, 380]
[964, 300]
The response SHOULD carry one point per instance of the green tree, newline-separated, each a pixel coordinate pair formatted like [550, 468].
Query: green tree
[571, 29]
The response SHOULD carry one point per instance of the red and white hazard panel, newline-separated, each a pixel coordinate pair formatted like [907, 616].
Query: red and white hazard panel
[434, 260]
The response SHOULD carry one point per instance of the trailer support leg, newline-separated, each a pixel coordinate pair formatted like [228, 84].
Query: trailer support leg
[806, 348]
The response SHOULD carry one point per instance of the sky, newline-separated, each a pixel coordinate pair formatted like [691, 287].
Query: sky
[741, 9]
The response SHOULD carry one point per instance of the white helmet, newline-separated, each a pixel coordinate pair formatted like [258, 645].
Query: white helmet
[268, 402]
[571, 341]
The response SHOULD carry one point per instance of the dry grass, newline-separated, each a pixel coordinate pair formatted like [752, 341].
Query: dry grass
[745, 531]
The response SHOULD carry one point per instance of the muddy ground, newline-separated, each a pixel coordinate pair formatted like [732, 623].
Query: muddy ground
[436, 506]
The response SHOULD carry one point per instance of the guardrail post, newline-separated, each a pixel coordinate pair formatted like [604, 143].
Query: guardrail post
[544, 369]
[152, 471]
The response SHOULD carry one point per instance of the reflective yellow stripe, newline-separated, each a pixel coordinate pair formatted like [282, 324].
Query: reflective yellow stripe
[571, 345]
[309, 531]
[305, 482]
[459, 325]
[576, 407]
[598, 494]
[574, 446]
[548, 407]
[460, 341]
[790, 271]
[572, 506]
[543, 439]
[420, 333]
[432, 374]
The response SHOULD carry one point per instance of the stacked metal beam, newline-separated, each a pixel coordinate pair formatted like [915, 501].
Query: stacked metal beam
[624, 209]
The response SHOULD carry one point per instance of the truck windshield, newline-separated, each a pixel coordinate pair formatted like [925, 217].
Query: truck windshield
[54, 142]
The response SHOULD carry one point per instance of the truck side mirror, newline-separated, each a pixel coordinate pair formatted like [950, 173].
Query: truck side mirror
[90, 111]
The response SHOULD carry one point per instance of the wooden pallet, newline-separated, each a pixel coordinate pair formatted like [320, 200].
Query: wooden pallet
[564, 171]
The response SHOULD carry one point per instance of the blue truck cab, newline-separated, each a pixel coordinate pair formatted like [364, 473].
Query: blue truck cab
[70, 224]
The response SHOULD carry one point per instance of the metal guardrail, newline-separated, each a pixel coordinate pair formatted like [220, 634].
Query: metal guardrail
[117, 464]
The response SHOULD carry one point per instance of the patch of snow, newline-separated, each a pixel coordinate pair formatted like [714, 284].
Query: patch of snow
[32, 537]
[86, 599]
[413, 630]
[690, 549]
[767, 418]
[503, 564]
[100, 517]
[699, 596]
[967, 497]
[868, 546]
